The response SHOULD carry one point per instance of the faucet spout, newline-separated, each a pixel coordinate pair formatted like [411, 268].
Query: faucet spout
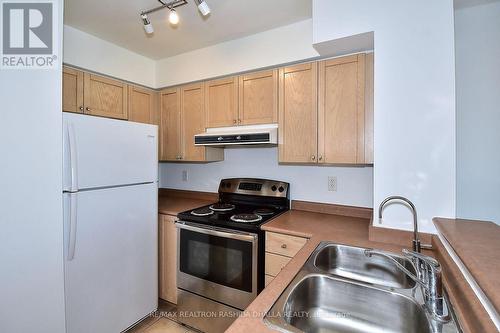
[416, 241]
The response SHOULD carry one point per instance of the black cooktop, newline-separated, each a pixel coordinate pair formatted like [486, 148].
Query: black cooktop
[243, 217]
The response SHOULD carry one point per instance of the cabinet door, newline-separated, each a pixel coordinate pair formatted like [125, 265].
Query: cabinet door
[341, 130]
[170, 124]
[221, 102]
[258, 98]
[141, 105]
[105, 97]
[193, 121]
[167, 257]
[298, 114]
[72, 90]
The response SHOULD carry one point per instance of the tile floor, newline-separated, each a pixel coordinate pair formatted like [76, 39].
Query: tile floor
[162, 321]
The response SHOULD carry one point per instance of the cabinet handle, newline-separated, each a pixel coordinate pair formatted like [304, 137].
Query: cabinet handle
[313, 157]
[87, 108]
[81, 108]
[234, 121]
[283, 246]
[320, 158]
[239, 121]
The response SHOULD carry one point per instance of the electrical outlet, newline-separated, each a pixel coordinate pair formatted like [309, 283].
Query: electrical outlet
[184, 175]
[332, 184]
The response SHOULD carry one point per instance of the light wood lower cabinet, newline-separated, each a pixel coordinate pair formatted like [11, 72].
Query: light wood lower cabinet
[167, 257]
[280, 249]
[105, 97]
[142, 105]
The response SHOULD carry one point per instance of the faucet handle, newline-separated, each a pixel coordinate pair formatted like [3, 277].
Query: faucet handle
[433, 263]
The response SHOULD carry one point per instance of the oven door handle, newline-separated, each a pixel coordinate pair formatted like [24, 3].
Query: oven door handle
[232, 234]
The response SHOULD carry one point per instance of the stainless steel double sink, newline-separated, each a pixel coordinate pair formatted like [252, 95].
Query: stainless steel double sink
[340, 289]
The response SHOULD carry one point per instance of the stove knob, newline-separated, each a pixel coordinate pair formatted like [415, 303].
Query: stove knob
[274, 188]
[222, 184]
[281, 189]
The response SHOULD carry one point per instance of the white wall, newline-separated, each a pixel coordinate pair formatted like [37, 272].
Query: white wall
[273, 47]
[89, 52]
[477, 41]
[31, 226]
[308, 183]
[414, 98]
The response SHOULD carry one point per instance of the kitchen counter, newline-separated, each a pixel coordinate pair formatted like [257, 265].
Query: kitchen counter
[477, 244]
[317, 227]
[355, 231]
[172, 202]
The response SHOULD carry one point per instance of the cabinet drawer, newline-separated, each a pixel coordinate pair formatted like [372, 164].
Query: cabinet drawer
[268, 279]
[275, 263]
[284, 245]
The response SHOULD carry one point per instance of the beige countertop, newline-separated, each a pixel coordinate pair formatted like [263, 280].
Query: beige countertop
[173, 205]
[477, 244]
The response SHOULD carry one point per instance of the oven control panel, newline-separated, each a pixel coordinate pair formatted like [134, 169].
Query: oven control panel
[255, 186]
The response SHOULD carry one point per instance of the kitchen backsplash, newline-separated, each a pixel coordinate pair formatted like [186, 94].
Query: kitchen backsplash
[310, 183]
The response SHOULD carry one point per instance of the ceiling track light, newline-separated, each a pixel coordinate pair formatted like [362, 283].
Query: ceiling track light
[148, 27]
[173, 17]
[203, 7]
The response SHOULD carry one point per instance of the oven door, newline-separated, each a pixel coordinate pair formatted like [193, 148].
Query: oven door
[217, 263]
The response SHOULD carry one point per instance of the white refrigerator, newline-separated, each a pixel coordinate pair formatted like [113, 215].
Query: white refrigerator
[110, 197]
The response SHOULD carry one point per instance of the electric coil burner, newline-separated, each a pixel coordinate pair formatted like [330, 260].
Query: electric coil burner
[246, 218]
[221, 249]
[222, 207]
[204, 211]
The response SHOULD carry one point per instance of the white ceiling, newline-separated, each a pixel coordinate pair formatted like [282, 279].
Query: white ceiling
[118, 21]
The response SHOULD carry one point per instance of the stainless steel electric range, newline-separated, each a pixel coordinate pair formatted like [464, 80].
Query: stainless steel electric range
[221, 251]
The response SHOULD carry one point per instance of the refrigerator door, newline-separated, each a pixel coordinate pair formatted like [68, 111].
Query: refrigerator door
[111, 262]
[100, 152]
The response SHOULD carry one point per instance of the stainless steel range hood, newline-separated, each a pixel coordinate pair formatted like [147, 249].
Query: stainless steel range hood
[239, 135]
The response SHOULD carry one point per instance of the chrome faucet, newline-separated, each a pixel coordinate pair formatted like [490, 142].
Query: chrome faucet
[416, 241]
[429, 278]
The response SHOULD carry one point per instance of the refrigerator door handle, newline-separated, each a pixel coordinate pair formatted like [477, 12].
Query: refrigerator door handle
[73, 158]
[72, 225]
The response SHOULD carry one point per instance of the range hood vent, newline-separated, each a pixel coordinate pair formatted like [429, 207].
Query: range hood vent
[238, 135]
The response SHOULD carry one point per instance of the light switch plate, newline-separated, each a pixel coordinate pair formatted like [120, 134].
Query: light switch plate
[184, 175]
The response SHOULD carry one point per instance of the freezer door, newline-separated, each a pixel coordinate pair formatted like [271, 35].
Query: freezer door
[101, 152]
[111, 261]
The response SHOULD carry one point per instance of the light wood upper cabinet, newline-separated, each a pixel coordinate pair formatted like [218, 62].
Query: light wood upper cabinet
[298, 114]
[258, 98]
[105, 97]
[142, 105]
[193, 120]
[221, 102]
[167, 258]
[182, 116]
[170, 124]
[72, 90]
[341, 110]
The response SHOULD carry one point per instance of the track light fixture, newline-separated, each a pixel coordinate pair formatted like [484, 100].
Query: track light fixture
[203, 7]
[148, 27]
[173, 17]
